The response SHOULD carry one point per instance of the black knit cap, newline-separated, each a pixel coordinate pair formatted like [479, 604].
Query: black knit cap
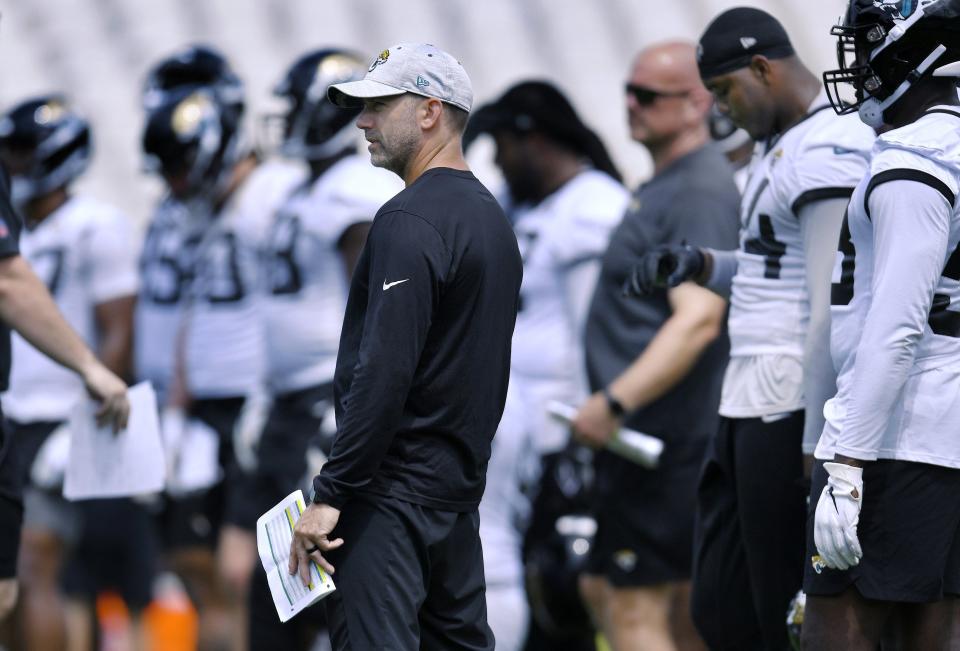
[539, 106]
[735, 36]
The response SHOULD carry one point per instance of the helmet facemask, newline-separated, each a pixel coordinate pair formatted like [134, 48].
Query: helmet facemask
[45, 145]
[195, 141]
[313, 128]
[881, 53]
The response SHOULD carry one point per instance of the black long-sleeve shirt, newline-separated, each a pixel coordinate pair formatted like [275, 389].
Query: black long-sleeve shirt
[424, 354]
[10, 227]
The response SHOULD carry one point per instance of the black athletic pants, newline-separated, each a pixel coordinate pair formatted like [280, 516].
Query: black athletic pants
[11, 504]
[749, 534]
[408, 577]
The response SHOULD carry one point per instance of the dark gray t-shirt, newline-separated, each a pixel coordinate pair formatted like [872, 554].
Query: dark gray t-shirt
[693, 200]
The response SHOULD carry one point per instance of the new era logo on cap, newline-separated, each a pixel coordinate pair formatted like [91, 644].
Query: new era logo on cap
[417, 68]
[747, 42]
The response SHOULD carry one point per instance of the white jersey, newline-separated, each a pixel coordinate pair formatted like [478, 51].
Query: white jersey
[166, 265]
[305, 280]
[896, 302]
[223, 327]
[823, 156]
[86, 253]
[562, 240]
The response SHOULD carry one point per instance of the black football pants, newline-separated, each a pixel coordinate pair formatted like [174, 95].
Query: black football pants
[749, 534]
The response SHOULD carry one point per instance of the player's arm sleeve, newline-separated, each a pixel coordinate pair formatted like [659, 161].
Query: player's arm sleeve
[722, 272]
[401, 247]
[911, 227]
[113, 250]
[820, 229]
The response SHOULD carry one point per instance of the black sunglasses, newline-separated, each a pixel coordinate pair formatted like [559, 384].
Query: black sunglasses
[647, 96]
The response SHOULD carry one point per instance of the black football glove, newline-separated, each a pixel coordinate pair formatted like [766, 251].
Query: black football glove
[667, 265]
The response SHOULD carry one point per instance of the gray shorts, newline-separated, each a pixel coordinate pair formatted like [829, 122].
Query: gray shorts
[47, 511]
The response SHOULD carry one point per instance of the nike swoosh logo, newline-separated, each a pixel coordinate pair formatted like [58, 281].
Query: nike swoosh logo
[387, 285]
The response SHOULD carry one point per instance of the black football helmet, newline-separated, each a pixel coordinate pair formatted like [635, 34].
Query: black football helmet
[45, 144]
[557, 544]
[191, 138]
[192, 67]
[886, 46]
[313, 127]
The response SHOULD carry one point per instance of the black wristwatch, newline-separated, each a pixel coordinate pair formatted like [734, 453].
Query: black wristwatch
[614, 405]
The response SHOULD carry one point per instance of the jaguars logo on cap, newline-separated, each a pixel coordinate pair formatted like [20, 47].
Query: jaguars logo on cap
[382, 58]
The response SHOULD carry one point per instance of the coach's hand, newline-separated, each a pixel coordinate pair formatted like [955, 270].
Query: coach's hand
[594, 424]
[665, 266]
[837, 515]
[111, 392]
[310, 537]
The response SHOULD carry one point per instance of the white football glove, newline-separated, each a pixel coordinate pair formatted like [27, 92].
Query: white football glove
[173, 424]
[249, 428]
[837, 515]
[50, 465]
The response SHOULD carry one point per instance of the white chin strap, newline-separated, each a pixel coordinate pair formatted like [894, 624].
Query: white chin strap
[871, 110]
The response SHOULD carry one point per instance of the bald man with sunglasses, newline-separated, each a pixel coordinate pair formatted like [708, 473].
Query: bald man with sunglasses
[655, 362]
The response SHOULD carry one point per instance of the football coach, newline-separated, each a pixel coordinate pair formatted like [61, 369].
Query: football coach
[421, 375]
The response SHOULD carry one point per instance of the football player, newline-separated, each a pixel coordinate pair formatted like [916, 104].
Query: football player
[223, 200]
[85, 252]
[751, 502]
[311, 249]
[565, 198]
[883, 536]
[167, 251]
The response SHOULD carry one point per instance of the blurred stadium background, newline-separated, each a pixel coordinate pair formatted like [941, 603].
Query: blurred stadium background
[97, 51]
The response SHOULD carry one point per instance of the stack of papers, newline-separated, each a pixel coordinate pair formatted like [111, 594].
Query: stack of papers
[274, 533]
[104, 464]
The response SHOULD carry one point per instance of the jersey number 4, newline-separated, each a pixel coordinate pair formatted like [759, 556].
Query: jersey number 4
[768, 246]
[942, 320]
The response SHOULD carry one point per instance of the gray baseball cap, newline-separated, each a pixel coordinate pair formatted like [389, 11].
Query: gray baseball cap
[417, 68]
